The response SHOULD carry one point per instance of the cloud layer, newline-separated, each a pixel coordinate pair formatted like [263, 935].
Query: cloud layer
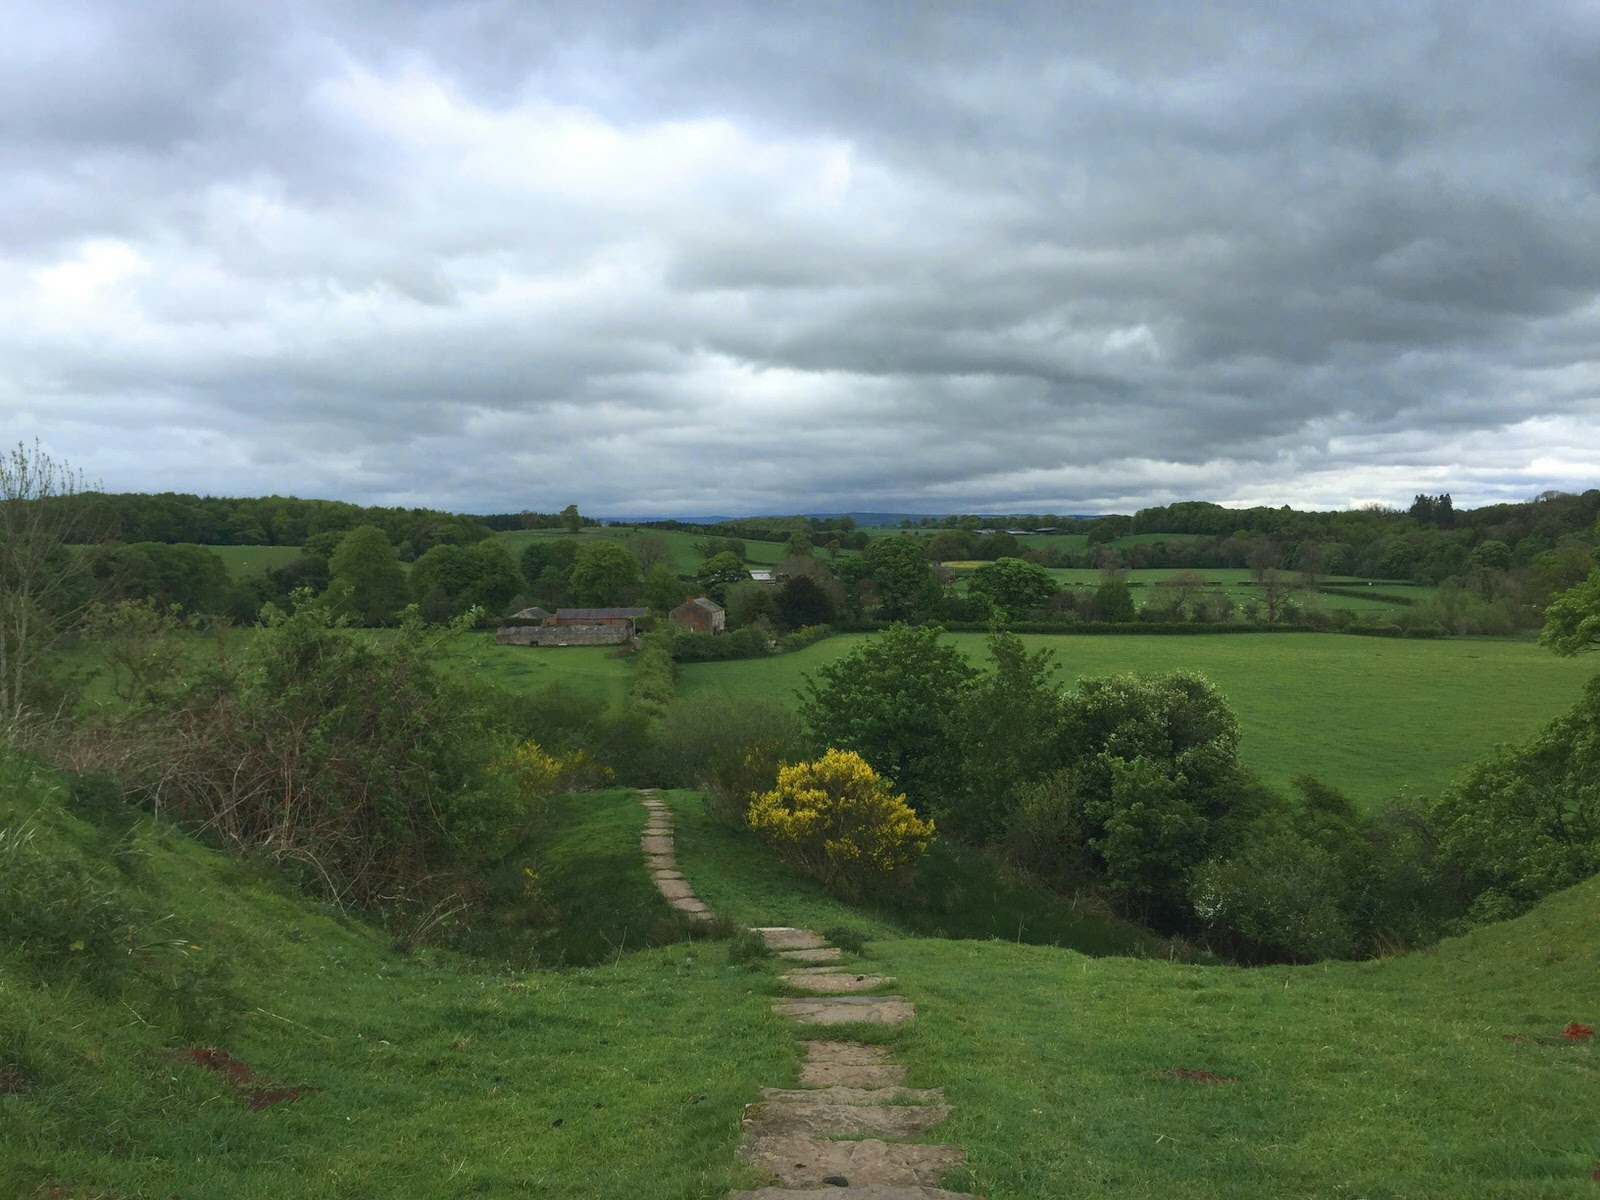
[763, 258]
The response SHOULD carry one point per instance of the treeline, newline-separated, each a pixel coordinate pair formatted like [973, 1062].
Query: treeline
[1428, 543]
[826, 533]
[173, 517]
[1131, 788]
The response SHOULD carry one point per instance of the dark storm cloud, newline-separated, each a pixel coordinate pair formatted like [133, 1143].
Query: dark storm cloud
[766, 257]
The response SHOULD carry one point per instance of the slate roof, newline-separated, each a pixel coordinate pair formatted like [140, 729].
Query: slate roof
[598, 614]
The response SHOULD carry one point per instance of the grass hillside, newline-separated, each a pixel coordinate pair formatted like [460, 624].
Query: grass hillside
[1440, 1074]
[1369, 716]
[437, 1077]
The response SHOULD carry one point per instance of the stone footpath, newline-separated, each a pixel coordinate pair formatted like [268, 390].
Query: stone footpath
[852, 1127]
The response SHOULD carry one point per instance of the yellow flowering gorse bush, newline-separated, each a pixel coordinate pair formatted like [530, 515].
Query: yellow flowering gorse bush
[541, 773]
[836, 820]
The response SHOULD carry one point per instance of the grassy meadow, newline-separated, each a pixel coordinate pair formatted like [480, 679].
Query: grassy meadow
[254, 560]
[1371, 716]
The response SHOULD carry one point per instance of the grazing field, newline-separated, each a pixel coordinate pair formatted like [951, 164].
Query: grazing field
[254, 560]
[1371, 716]
[599, 671]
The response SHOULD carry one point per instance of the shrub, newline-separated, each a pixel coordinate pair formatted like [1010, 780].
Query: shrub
[837, 821]
[539, 773]
[731, 747]
[1277, 897]
[846, 938]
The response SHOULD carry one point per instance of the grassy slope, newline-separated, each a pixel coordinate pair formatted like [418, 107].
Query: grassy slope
[441, 1078]
[1370, 716]
[1375, 1079]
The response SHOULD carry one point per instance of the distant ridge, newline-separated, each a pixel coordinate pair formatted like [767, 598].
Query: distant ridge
[860, 518]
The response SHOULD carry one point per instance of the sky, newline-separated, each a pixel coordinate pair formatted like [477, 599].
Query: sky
[663, 258]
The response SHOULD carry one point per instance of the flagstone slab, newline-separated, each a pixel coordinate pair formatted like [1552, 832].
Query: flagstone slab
[869, 1191]
[824, 954]
[838, 1074]
[854, 1054]
[835, 984]
[689, 904]
[782, 937]
[659, 874]
[655, 844]
[675, 889]
[857, 1095]
[800, 1160]
[819, 1118]
[661, 862]
[848, 1010]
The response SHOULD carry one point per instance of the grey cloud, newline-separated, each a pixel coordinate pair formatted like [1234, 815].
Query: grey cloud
[732, 257]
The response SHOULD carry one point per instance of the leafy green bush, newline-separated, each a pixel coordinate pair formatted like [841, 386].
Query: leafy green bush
[353, 761]
[1525, 821]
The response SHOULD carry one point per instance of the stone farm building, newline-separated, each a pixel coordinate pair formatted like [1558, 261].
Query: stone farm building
[699, 615]
[570, 627]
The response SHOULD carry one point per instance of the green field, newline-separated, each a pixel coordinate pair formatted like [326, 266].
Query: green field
[600, 671]
[254, 560]
[1373, 717]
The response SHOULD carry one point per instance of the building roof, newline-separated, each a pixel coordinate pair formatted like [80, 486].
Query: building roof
[598, 614]
[704, 602]
[531, 614]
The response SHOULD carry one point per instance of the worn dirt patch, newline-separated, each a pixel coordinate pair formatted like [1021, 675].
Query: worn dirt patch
[800, 1160]
[239, 1076]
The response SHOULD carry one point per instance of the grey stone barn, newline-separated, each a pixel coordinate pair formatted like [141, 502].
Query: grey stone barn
[572, 627]
[699, 615]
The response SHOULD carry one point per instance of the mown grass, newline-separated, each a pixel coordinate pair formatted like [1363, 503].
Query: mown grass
[441, 1076]
[1383, 1079]
[1390, 1079]
[1373, 717]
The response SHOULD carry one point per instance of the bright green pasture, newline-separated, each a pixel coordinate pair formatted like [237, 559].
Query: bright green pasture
[1371, 716]
[254, 560]
[599, 671]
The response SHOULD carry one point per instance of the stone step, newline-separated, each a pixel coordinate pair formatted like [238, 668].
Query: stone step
[836, 1074]
[848, 1010]
[845, 1192]
[803, 1161]
[655, 844]
[856, 1054]
[689, 904]
[661, 862]
[675, 889]
[842, 1094]
[786, 1118]
[783, 937]
[824, 954]
[835, 983]
[658, 874]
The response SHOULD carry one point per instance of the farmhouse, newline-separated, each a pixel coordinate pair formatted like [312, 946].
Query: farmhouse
[570, 627]
[699, 615]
